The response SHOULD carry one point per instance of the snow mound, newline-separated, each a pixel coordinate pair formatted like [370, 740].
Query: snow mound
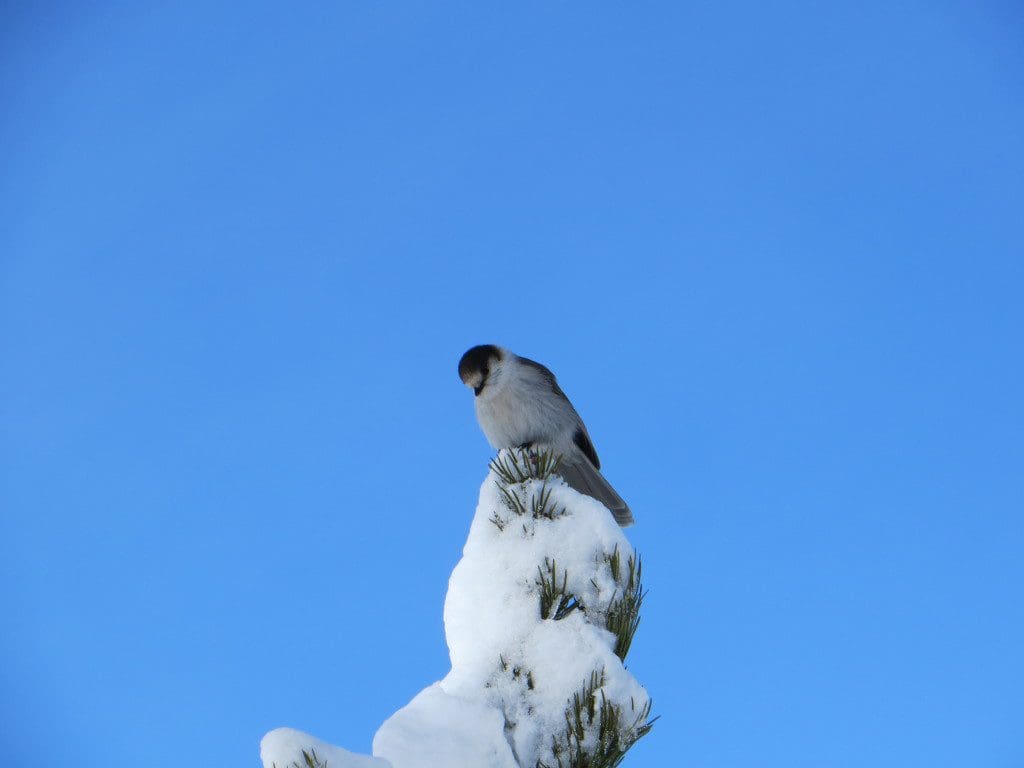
[284, 746]
[515, 671]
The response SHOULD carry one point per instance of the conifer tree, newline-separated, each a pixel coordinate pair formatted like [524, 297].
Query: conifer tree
[598, 731]
[540, 615]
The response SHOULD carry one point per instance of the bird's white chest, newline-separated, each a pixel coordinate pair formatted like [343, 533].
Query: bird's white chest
[515, 412]
[504, 418]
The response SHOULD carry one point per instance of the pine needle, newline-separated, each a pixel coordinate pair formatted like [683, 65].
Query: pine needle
[597, 733]
[622, 617]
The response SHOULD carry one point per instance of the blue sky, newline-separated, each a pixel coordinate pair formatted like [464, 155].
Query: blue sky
[773, 253]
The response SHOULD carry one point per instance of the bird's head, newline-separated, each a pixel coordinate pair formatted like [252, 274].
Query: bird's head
[478, 364]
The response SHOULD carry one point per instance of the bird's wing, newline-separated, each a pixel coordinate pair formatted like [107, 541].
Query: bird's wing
[580, 437]
[580, 474]
[546, 374]
[582, 440]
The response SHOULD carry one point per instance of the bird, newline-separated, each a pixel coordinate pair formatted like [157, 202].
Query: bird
[519, 404]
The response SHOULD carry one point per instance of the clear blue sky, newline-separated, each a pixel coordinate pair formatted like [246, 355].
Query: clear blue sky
[775, 253]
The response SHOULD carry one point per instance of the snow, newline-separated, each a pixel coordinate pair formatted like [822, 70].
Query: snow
[513, 670]
[439, 729]
[283, 746]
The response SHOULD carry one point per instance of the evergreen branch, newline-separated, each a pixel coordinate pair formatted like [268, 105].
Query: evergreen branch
[512, 500]
[309, 760]
[597, 732]
[541, 506]
[556, 601]
[514, 468]
[516, 672]
[517, 465]
[622, 617]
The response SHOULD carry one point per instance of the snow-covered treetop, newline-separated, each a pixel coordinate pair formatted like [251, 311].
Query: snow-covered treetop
[539, 616]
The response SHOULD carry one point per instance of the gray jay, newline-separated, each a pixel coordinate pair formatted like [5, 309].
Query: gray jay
[519, 403]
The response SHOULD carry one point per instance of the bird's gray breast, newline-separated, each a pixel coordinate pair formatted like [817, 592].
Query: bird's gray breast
[521, 411]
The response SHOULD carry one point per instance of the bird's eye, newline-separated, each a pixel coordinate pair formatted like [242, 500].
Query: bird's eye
[485, 371]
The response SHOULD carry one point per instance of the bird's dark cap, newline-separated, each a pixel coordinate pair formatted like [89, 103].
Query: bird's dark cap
[476, 359]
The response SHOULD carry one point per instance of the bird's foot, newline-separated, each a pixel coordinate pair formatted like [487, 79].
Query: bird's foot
[530, 451]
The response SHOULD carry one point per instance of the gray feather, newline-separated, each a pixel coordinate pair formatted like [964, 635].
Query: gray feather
[585, 478]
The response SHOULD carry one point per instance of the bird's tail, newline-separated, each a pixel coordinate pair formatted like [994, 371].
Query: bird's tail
[580, 474]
